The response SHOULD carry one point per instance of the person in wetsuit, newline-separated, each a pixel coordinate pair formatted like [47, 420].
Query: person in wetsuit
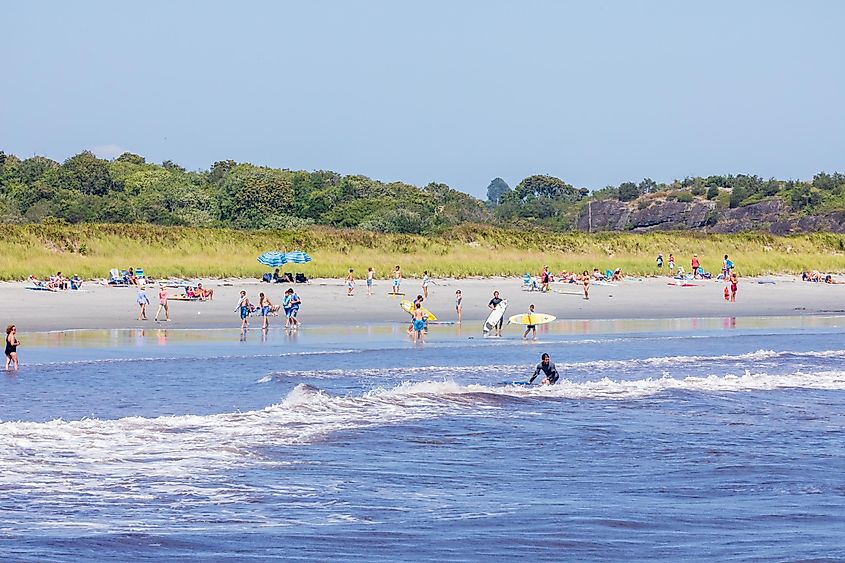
[549, 370]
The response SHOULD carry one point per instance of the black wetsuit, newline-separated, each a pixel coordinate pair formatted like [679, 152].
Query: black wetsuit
[549, 370]
[493, 304]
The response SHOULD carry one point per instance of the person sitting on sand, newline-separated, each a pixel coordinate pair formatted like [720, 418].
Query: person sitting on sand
[549, 370]
[829, 279]
[597, 275]
[75, 282]
[617, 275]
[203, 293]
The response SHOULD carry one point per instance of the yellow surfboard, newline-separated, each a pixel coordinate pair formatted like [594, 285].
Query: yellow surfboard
[531, 319]
[408, 307]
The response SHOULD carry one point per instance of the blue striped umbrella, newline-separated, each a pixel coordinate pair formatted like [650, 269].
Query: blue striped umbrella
[297, 257]
[274, 259]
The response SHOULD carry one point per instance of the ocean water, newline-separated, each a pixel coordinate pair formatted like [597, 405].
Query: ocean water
[716, 439]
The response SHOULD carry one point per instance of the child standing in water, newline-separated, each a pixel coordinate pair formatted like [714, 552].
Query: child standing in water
[243, 309]
[350, 283]
[418, 322]
[12, 344]
[370, 280]
[143, 301]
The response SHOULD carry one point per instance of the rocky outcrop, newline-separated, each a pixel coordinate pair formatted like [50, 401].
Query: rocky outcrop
[665, 215]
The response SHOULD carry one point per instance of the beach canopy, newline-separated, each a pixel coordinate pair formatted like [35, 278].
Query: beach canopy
[297, 257]
[274, 259]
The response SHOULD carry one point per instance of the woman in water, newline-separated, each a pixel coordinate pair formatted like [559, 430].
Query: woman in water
[12, 344]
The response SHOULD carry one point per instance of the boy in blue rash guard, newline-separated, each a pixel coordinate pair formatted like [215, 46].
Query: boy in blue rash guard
[548, 368]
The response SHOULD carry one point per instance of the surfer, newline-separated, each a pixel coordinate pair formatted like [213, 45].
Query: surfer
[492, 305]
[418, 323]
[530, 327]
[549, 370]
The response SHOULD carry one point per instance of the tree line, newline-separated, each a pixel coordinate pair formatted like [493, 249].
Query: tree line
[128, 189]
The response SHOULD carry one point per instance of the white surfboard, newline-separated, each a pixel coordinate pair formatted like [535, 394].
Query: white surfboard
[495, 315]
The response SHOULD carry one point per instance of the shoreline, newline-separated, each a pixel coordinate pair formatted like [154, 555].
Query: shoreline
[325, 302]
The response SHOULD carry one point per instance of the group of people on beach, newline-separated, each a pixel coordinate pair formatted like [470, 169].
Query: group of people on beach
[290, 305]
[57, 282]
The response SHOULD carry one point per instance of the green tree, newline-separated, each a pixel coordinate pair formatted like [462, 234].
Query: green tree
[496, 189]
[87, 174]
[628, 191]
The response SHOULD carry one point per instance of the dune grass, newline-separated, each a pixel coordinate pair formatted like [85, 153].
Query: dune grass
[470, 250]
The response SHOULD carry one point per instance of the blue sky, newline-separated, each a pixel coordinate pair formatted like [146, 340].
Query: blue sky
[593, 92]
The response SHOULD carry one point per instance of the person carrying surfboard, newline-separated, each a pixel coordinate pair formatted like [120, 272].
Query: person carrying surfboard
[492, 305]
[530, 327]
[549, 370]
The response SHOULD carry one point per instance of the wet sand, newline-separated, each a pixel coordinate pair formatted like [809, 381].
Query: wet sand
[325, 302]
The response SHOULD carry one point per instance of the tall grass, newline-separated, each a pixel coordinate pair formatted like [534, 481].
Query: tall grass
[470, 250]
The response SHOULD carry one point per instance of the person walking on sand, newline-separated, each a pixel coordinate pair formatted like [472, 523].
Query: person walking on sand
[659, 261]
[242, 308]
[12, 344]
[586, 280]
[695, 263]
[143, 301]
[162, 303]
[350, 283]
[418, 322]
[671, 263]
[734, 282]
[727, 268]
[397, 280]
[545, 278]
[459, 309]
[266, 309]
[425, 282]
[530, 327]
[370, 280]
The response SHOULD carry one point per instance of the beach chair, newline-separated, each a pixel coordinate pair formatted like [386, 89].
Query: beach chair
[117, 278]
[139, 276]
[526, 282]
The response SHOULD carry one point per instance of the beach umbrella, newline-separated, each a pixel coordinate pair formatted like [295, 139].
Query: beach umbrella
[273, 259]
[297, 257]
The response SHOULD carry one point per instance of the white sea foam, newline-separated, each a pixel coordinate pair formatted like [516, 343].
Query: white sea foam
[136, 458]
[594, 366]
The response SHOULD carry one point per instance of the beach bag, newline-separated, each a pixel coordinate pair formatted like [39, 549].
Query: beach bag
[267, 278]
[729, 264]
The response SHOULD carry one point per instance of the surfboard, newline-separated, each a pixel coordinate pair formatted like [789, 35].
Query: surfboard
[494, 316]
[514, 383]
[394, 294]
[408, 307]
[531, 319]
[682, 284]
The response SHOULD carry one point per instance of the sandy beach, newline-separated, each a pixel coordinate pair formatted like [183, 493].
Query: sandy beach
[325, 302]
